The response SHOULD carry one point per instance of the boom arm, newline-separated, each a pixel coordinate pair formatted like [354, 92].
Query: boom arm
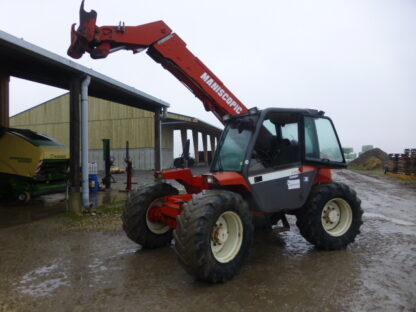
[163, 46]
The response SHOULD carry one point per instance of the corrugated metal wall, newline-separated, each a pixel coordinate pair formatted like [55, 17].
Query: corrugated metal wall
[143, 158]
[50, 118]
[108, 120]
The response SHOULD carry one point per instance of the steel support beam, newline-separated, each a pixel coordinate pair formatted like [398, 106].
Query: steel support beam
[196, 147]
[212, 140]
[157, 130]
[205, 145]
[184, 137]
[74, 134]
[74, 145]
[4, 99]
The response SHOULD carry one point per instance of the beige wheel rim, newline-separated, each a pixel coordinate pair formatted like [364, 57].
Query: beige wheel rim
[336, 217]
[155, 227]
[227, 237]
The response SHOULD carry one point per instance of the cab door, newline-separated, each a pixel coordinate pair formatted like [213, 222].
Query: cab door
[274, 172]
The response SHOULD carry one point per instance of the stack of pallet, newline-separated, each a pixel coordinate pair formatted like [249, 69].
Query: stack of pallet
[403, 163]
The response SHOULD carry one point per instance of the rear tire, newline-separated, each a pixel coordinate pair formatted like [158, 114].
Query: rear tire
[180, 162]
[23, 197]
[332, 217]
[213, 235]
[136, 223]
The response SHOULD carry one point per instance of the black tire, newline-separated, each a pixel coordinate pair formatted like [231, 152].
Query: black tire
[134, 216]
[194, 235]
[336, 232]
[191, 162]
[179, 162]
[23, 197]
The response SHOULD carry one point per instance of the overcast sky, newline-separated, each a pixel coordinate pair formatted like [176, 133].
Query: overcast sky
[355, 59]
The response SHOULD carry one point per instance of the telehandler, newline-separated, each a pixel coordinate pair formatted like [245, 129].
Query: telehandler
[269, 162]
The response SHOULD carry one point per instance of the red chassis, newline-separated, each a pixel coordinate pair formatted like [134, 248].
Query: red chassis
[173, 205]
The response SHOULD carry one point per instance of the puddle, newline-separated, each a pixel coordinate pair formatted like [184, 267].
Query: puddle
[97, 266]
[43, 281]
[129, 251]
[383, 217]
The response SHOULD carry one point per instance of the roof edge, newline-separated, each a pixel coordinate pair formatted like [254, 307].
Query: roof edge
[21, 43]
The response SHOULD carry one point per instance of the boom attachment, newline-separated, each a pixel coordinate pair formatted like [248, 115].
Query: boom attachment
[163, 46]
[101, 41]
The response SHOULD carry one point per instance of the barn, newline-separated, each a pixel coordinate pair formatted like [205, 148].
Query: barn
[119, 123]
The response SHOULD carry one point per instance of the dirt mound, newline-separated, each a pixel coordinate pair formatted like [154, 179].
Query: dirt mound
[372, 159]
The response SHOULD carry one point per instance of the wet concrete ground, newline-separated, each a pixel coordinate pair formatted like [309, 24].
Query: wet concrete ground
[14, 213]
[64, 264]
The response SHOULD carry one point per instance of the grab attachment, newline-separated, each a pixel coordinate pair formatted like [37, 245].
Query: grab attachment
[81, 38]
[101, 41]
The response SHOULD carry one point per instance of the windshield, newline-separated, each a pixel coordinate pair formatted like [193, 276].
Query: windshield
[232, 150]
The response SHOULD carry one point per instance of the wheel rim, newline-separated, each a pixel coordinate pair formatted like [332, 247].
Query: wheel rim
[336, 217]
[155, 227]
[24, 196]
[226, 237]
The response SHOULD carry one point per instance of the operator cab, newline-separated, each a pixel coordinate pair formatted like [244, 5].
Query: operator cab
[279, 152]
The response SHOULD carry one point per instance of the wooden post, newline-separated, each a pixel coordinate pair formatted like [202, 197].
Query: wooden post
[74, 145]
[157, 153]
[204, 143]
[196, 148]
[4, 100]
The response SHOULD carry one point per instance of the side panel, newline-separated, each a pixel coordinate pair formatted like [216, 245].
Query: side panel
[282, 189]
[18, 157]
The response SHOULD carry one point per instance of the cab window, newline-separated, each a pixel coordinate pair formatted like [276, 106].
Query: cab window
[321, 142]
[277, 143]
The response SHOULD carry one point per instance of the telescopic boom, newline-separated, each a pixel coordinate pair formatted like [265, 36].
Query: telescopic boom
[163, 46]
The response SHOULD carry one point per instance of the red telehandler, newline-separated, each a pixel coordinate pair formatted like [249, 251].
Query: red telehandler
[268, 163]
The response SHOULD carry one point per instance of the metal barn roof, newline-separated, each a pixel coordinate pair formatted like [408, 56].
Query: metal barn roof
[24, 60]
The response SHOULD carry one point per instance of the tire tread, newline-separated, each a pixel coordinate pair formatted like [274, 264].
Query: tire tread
[309, 217]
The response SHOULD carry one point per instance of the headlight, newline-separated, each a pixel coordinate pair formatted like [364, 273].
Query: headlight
[211, 180]
[226, 117]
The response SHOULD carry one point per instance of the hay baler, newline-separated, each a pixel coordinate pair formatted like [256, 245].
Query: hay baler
[31, 164]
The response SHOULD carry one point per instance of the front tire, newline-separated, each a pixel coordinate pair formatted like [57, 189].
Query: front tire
[135, 219]
[213, 235]
[332, 217]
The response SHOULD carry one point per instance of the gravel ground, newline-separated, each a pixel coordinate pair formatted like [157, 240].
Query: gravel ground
[72, 263]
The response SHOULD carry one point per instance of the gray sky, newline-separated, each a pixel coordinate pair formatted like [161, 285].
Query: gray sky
[355, 60]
